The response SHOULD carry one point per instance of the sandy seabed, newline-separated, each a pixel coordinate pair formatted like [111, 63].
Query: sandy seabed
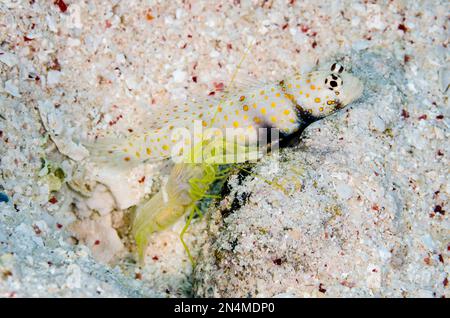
[364, 208]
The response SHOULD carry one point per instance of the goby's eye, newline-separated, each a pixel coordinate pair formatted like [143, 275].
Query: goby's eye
[337, 68]
[333, 82]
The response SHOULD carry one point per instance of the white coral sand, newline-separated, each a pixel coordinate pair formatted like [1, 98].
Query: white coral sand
[364, 213]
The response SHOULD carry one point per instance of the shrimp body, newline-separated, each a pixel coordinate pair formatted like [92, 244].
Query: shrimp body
[163, 209]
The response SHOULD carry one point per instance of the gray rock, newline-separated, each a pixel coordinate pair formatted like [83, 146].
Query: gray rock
[349, 219]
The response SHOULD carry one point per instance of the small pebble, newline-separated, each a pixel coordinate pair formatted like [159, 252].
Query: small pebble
[8, 59]
[11, 88]
[53, 78]
[179, 76]
[344, 191]
[3, 197]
